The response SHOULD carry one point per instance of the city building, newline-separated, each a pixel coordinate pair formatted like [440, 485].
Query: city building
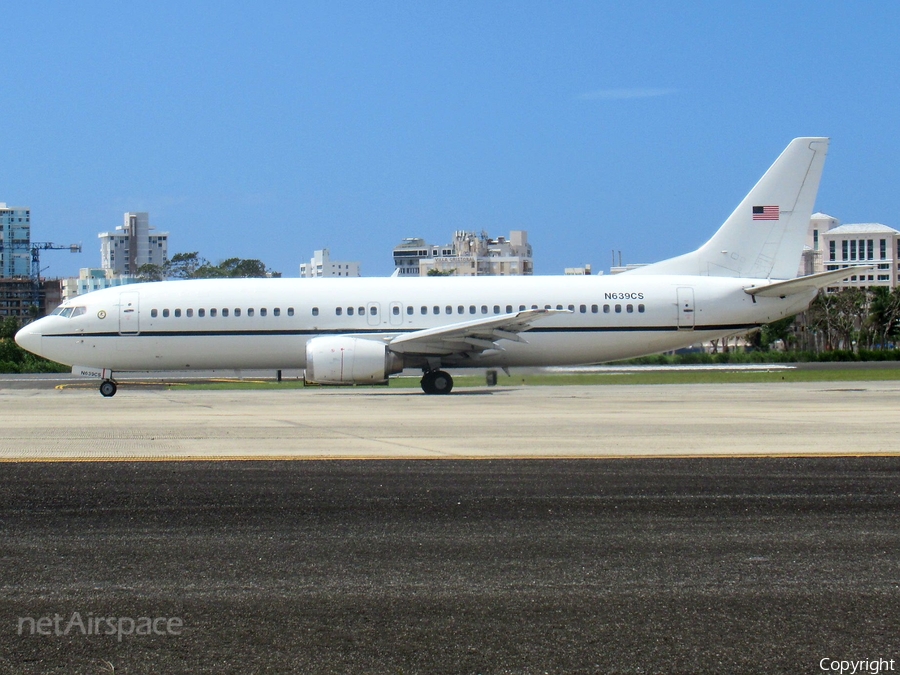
[831, 246]
[579, 271]
[133, 244]
[854, 245]
[811, 260]
[93, 279]
[17, 298]
[320, 265]
[469, 254]
[15, 241]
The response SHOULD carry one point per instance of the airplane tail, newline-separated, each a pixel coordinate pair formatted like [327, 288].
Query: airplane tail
[764, 237]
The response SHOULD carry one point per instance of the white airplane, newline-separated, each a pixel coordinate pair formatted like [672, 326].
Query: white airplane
[349, 331]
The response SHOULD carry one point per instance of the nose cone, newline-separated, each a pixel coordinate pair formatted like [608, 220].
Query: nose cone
[29, 338]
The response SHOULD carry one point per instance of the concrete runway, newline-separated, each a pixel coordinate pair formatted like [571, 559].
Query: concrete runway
[150, 423]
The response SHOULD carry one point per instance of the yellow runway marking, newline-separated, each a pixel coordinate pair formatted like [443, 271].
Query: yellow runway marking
[382, 458]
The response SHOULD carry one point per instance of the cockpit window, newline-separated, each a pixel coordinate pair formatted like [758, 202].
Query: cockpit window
[68, 311]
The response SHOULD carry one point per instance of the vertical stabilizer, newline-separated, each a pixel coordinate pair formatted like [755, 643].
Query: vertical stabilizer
[764, 237]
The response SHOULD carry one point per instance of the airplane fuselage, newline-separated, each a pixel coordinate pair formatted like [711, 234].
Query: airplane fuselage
[266, 323]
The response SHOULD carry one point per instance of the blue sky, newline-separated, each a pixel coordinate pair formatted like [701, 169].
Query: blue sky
[267, 130]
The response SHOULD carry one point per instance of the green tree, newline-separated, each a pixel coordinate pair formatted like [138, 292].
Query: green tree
[8, 328]
[151, 272]
[884, 315]
[185, 265]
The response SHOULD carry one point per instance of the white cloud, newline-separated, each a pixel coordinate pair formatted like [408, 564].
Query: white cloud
[624, 94]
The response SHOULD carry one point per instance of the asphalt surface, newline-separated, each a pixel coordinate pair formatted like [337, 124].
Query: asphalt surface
[581, 566]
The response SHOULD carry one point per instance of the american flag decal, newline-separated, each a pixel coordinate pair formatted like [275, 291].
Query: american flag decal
[765, 213]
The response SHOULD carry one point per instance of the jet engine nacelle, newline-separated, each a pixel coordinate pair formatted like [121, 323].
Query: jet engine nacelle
[349, 360]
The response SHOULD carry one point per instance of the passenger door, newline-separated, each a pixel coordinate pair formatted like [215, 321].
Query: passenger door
[129, 313]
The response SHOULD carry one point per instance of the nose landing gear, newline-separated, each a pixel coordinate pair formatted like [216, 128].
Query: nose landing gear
[108, 388]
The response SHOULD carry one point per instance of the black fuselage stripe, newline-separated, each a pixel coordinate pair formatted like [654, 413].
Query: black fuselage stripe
[386, 329]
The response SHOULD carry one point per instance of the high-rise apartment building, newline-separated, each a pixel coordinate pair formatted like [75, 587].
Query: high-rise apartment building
[133, 244]
[15, 241]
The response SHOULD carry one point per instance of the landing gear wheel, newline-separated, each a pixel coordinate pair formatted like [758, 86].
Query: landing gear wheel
[437, 382]
[108, 388]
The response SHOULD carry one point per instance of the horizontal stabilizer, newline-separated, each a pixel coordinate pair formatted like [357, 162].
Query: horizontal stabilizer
[813, 282]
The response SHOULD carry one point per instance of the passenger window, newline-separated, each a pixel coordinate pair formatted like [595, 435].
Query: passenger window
[436, 310]
[373, 310]
[583, 309]
[472, 309]
[395, 310]
[177, 313]
[641, 309]
[605, 309]
[460, 309]
[349, 311]
[276, 311]
[629, 309]
[250, 311]
[213, 312]
[290, 311]
[509, 309]
[618, 309]
[201, 312]
[534, 307]
[409, 310]
[165, 313]
[521, 308]
[547, 307]
[338, 311]
[189, 313]
[153, 313]
[224, 311]
[448, 309]
[559, 307]
[571, 308]
[496, 309]
[484, 309]
[237, 311]
[263, 311]
[361, 311]
[315, 311]
[424, 310]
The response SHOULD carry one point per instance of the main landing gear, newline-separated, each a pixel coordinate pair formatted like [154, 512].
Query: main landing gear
[436, 382]
[108, 388]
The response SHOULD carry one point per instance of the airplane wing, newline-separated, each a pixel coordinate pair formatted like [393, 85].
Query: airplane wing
[781, 289]
[469, 337]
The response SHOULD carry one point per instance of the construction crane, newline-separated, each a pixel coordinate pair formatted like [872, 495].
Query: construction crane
[36, 247]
